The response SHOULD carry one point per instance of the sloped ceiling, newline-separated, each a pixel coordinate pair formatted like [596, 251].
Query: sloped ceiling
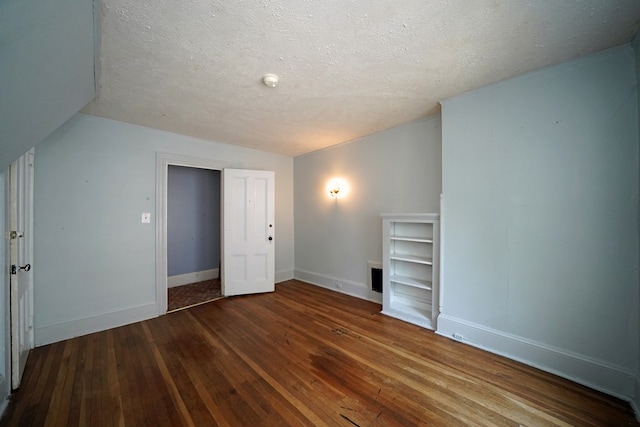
[347, 68]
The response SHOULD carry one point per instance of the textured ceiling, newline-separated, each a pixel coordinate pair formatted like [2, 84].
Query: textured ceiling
[347, 68]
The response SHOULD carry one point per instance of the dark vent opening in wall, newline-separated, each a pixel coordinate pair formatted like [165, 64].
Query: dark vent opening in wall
[376, 280]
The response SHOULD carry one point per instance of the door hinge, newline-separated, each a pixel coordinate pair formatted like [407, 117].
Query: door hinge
[14, 269]
[15, 234]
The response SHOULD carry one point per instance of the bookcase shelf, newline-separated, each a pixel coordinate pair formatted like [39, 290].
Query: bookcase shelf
[411, 281]
[411, 267]
[412, 258]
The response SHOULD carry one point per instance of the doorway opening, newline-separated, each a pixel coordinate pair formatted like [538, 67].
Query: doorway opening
[193, 236]
[163, 162]
[248, 227]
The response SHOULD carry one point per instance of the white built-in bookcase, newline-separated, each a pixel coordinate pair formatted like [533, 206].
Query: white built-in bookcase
[410, 267]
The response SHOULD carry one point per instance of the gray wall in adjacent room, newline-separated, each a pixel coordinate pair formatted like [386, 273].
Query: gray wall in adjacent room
[193, 220]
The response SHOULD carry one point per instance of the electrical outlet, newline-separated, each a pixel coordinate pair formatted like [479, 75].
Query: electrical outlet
[458, 337]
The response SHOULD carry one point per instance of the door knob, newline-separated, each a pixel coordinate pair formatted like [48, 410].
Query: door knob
[15, 268]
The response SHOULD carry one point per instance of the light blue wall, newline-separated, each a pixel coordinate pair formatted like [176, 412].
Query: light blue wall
[47, 69]
[96, 260]
[193, 220]
[540, 239]
[397, 170]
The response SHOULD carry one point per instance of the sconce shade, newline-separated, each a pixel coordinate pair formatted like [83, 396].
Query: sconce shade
[337, 188]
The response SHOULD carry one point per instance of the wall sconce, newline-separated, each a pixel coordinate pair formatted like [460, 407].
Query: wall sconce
[337, 188]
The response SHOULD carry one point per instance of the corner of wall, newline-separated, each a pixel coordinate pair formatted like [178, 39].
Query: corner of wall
[284, 275]
[336, 284]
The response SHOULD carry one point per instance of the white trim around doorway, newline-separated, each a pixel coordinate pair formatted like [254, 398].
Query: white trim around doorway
[163, 161]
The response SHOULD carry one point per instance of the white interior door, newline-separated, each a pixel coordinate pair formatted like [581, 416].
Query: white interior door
[248, 232]
[20, 254]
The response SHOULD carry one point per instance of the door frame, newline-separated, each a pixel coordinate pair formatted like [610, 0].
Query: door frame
[163, 161]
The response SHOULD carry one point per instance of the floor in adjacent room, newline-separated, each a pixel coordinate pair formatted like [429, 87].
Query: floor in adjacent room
[179, 297]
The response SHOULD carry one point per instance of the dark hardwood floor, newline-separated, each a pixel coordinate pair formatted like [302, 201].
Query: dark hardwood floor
[299, 356]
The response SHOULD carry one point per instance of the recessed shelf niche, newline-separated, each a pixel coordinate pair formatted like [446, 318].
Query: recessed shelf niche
[411, 267]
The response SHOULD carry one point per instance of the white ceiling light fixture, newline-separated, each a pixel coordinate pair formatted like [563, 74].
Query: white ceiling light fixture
[270, 80]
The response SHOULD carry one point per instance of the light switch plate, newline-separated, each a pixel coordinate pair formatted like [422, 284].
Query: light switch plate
[146, 217]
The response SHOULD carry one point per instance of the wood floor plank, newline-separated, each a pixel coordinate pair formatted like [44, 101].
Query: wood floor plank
[126, 378]
[173, 391]
[130, 345]
[75, 395]
[114, 398]
[302, 355]
[172, 352]
[59, 413]
[95, 370]
[86, 380]
[45, 386]
[210, 385]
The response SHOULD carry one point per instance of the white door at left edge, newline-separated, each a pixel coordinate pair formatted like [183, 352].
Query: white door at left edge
[20, 254]
[248, 232]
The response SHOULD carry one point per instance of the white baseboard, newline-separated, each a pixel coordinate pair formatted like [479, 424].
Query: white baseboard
[199, 276]
[349, 287]
[187, 278]
[593, 373]
[284, 275]
[88, 325]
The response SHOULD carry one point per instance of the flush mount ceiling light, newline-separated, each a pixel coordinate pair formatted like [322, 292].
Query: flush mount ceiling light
[270, 80]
